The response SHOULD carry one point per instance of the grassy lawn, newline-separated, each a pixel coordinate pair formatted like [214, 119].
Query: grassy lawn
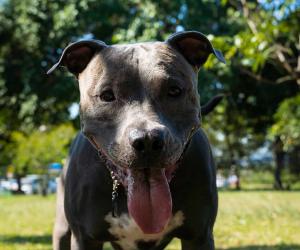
[247, 221]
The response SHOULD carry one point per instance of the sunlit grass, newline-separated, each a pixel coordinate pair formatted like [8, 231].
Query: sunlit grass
[258, 219]
[26, 222]
[246, 221]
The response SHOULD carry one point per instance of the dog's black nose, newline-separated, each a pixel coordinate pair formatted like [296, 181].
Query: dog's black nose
[147, 141]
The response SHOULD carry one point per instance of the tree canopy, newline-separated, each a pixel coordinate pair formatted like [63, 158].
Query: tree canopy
[260, 41]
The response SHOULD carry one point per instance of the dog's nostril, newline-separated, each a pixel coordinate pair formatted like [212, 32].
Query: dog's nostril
[137, 139]
[139, 144]
[157, 144]
[147, 141]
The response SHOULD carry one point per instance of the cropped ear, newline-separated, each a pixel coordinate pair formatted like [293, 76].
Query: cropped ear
[76, 56]
[194, 46]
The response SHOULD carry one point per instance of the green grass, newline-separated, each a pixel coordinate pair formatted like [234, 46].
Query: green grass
[256, 220]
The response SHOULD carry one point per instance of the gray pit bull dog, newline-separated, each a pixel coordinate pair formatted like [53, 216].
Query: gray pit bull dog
[141, 171]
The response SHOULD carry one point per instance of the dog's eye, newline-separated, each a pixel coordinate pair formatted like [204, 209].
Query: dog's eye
[107, 96]
[174, 91]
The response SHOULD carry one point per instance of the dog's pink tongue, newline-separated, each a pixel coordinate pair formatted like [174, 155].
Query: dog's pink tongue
[149, 199]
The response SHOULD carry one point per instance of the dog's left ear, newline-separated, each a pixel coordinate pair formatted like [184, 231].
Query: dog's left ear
[76, 56]
[194, 46]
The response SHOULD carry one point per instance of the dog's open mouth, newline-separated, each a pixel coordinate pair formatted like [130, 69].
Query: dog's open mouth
[149, 198]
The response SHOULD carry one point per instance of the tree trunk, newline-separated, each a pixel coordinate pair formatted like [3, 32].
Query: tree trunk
[279, 163]
[19, 183]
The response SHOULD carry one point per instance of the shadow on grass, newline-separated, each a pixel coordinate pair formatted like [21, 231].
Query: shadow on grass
[46, 239]
[34, 239]
[259, 190]
[263, 247]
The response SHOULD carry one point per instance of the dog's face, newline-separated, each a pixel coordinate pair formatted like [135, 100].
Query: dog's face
[139, 105]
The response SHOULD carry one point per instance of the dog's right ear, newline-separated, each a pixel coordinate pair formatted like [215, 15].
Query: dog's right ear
[76, 56]
[194, 46]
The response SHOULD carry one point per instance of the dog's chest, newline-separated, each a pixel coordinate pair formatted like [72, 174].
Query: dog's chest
[129, 235]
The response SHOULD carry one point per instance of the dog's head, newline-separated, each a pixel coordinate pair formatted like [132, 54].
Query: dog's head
[139, 106]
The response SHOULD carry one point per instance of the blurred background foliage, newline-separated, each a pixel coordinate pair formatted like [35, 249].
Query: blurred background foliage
[41, 148]
[261, 80]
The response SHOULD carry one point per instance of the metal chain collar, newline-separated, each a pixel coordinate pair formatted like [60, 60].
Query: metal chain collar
[114, 194]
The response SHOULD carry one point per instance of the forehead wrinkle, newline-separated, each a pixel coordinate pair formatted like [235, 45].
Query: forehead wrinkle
[122, 63]
[145, 61]
[161, 62]
[149, 66]
[142, 65]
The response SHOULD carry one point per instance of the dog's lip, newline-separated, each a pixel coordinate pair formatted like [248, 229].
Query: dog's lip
[121, 169]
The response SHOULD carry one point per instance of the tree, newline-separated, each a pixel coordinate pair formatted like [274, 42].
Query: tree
[34, 152]
[287, 128]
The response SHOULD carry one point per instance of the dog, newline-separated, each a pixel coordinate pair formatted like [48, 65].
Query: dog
[141, 170]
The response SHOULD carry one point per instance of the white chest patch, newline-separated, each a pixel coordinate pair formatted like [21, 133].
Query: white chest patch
[128, 232]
